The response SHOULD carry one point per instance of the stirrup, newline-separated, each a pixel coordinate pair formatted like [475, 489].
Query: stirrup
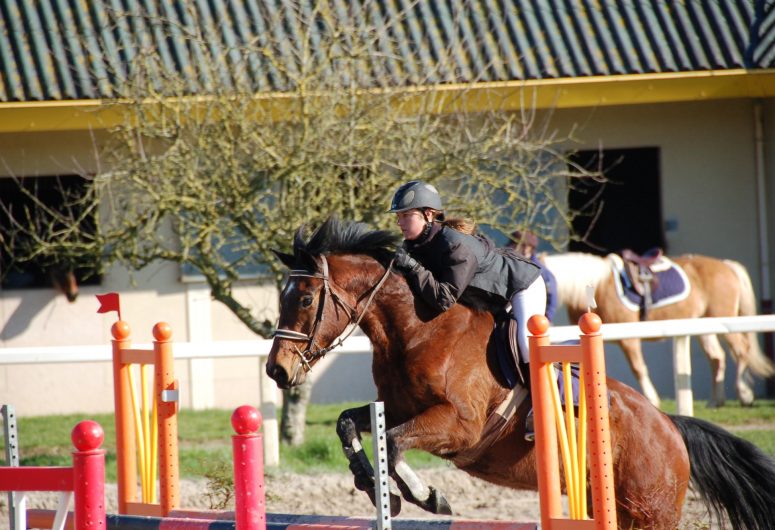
[530, 434]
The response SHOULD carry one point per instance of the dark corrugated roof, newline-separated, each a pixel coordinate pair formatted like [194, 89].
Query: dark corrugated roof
[74, 49]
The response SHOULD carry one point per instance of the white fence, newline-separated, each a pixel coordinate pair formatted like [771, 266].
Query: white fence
[679, 330]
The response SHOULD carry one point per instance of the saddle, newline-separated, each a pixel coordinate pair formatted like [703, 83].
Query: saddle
[642, 276]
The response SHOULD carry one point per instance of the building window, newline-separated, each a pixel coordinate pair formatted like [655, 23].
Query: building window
[50, 192]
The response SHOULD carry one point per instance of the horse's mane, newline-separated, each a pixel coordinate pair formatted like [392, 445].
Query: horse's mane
[355, 237]
[574, 271]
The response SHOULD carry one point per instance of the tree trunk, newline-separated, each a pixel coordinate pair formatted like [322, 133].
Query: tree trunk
[295, 401]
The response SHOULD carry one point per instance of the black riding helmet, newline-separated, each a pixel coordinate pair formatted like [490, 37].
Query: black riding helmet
[415, 194]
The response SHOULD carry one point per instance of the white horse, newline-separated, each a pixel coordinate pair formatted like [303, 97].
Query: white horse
[718, 288]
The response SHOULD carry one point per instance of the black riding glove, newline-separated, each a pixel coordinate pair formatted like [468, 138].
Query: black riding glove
[404, 261]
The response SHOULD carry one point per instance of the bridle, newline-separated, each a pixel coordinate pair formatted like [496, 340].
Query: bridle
[310, 354]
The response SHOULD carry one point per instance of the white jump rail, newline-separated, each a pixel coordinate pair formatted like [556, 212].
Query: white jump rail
[679, 330]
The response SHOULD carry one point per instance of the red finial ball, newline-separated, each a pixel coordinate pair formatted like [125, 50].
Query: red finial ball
[120, 330]
[538, 325]
[162, 332]
[246, 420]
[590, 323]
[87, 435]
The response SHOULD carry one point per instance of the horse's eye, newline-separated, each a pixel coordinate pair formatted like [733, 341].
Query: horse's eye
[306, 301]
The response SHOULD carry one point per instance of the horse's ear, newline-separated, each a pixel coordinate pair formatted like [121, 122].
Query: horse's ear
[307, 260]
[286, 259]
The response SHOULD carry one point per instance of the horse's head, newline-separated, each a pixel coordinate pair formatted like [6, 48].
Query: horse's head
[63, 280]
[316, 305]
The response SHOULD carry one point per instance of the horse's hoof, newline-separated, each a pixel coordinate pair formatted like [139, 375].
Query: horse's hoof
[395, 501]
[364, 483]
[437, 503]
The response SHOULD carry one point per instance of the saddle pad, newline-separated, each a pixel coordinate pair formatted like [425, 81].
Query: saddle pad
[672, 284]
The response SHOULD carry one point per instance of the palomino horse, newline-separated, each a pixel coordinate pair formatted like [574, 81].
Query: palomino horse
[719, 288]
[437, 378]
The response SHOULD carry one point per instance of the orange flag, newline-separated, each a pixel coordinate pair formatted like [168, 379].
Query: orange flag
[109, 302]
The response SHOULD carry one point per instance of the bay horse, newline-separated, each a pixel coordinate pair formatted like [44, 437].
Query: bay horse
[719, 288]
[436, 374]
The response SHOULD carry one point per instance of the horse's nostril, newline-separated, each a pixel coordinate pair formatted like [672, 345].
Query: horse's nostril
[279, 375]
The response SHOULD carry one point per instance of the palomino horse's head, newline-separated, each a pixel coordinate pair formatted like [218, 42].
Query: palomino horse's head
[315, 305]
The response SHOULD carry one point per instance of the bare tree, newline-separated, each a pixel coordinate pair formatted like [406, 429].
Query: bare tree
[217, 162]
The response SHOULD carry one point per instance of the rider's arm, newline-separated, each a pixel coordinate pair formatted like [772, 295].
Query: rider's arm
[443, 291]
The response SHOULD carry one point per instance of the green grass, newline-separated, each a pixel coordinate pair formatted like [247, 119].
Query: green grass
[755, 424]
[205, 438]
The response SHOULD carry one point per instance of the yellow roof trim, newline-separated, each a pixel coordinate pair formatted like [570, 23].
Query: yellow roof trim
[573, 92]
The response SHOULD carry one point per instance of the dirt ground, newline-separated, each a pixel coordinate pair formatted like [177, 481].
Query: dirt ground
[334, 494]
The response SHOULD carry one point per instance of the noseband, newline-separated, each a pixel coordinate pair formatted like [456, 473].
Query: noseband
[310, 354]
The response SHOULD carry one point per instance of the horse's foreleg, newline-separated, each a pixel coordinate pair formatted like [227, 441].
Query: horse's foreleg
[349, 426]
[634, 354]
[417, 492]
[439, 430]
[717, 359]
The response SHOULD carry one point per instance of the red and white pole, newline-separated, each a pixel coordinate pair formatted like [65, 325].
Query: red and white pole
[248, 454]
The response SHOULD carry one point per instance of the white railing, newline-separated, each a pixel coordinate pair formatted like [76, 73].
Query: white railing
[679, 330]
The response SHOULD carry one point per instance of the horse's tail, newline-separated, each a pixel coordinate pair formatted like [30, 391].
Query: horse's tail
[757, 360]
[733, 476]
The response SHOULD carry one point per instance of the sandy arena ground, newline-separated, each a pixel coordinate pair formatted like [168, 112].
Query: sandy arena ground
[334, 494]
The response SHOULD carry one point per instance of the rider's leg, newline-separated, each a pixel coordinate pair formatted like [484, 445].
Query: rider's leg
[525, 304]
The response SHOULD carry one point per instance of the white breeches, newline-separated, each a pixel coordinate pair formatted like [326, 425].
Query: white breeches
[525, 304]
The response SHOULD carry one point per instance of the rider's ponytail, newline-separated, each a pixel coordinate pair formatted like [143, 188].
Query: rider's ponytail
[461, 224]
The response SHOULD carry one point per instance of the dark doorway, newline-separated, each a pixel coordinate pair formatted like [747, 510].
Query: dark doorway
[625, 211]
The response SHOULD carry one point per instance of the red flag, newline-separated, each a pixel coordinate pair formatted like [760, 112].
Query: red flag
[109, 302]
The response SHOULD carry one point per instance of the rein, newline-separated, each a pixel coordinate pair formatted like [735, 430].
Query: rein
[309, 354]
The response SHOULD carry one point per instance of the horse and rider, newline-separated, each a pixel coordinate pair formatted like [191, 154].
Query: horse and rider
[433, 368]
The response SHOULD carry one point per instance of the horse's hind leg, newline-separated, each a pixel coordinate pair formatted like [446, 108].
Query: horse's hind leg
[740, 347]
[634, 354]
[718, 365]
[349, 426]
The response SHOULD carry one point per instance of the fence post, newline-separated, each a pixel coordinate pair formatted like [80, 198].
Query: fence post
[268, 392]
[546, 431]
[166, 395]
[248, 456]
[601, 468]
[88, 476]
[682, 375]
[126, 451]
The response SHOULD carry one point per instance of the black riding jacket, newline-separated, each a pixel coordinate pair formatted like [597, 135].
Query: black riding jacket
[459, 267]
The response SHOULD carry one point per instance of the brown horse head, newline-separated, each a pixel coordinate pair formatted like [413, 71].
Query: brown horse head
[319, 300]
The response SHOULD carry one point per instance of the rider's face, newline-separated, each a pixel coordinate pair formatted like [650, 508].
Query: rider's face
[526, 250]
[411, 223]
